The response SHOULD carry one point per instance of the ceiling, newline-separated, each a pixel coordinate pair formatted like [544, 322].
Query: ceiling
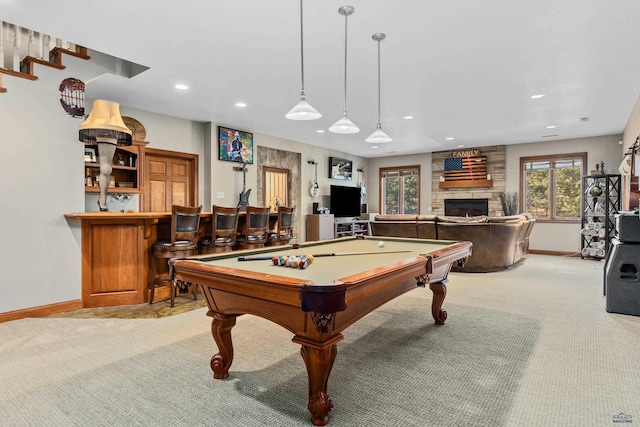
[464, 69]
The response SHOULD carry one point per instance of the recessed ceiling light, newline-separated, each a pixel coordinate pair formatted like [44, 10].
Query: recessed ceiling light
[241, 104]
[408, 117]
[449, 138]
[374, 146]
[461, 146]
[537, 96]
[320, 131]
[552, 127]
[181, 87]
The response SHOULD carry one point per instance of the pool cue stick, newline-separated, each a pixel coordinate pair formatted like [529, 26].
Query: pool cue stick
[269, 257]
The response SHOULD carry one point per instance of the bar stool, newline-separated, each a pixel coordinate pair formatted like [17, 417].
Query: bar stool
[256, 227]
[224, 230]
[284, 227]
[185, 223]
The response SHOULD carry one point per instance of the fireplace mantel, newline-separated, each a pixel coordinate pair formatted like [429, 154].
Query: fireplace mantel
[467, 184]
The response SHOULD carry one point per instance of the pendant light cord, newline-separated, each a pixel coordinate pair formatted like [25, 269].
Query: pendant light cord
[345, 63]
[301, 46]
[378, 83]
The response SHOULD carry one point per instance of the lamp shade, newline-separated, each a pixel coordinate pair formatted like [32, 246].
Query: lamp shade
[378, 136]
[105, 124]
[303, 111]
[344, 126]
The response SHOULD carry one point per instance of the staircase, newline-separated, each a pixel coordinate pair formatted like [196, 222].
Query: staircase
[21, 49]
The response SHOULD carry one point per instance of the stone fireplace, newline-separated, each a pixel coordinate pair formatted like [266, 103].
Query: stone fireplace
[466, 207]
[496, 159]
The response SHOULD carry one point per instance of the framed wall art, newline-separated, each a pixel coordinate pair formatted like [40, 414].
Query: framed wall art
[90, 154]
[340, 168]
[235, 145]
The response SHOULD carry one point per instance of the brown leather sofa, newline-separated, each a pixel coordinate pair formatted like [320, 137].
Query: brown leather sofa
[498, 242]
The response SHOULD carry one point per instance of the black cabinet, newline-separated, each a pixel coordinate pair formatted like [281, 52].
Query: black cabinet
[600, 204]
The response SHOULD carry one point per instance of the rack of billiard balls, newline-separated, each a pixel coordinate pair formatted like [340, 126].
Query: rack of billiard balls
[293, 261]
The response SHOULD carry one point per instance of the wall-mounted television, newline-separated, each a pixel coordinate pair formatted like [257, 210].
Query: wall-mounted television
[345, 201]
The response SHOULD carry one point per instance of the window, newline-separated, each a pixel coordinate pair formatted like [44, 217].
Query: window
[400, 190]
[276, 187]
[550, 186]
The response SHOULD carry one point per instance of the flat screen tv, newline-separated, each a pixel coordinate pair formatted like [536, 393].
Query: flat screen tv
[345, 201]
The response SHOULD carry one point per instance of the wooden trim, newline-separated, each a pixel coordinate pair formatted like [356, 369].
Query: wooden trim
[2, 89]
[169, 153]
[553, 253]
[466, 184]
[382, 171]
[26, 65]
[55, 55]
[18, 74]
[548, 158]
[287, 190]
[41, 311]
[194, 159]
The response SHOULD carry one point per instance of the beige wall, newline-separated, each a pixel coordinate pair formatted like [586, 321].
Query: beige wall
[561, 237]
[373, 180]
[632, 129]
[225, 180]
[546, 237]
[42, 179]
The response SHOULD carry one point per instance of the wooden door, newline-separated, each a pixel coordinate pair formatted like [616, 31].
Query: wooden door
[276, 187]
[170, 177]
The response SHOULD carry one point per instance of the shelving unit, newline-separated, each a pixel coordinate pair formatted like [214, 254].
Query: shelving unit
[352, 228]
[600, 203]
[125, 169]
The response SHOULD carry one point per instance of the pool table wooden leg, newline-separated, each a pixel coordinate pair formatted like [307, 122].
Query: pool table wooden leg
[319, 359]
[221, 330]
[439, 290]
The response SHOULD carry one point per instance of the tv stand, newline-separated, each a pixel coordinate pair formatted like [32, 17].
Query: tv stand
[351, 227]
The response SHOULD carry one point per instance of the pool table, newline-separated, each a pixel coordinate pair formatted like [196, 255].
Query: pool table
[349, 278]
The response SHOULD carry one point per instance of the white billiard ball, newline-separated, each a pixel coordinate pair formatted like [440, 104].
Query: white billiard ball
[381, 244]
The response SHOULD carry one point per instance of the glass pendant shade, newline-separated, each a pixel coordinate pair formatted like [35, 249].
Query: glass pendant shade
[378, 136]
[344, 125]
[303, 110]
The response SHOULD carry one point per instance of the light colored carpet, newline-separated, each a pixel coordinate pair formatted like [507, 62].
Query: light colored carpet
[532, 346]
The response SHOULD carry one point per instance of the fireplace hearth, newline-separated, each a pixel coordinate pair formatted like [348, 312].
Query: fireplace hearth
[466, 207]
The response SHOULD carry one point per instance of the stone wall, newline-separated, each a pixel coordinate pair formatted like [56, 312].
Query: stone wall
[496, 160]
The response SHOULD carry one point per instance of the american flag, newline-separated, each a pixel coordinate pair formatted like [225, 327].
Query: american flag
[453, 164]
[465, 168]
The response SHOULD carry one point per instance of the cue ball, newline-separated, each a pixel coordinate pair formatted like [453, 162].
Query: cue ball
[381, 244]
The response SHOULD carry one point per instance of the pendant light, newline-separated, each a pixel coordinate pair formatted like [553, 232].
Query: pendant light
[378, 136]
[344, 125]
[302, 110]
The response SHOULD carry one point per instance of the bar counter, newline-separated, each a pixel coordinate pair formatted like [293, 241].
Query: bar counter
[117, 250]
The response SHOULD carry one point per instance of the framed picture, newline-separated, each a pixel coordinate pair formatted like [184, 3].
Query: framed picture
[340, 168]
[90, 154]
[235, 145]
